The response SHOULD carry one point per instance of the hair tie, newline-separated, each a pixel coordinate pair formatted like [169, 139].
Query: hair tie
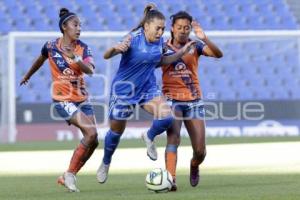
[64, 18]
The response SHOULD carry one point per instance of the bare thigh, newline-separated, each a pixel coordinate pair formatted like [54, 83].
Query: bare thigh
[158, 107]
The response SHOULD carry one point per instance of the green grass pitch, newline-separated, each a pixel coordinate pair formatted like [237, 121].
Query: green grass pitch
[130, 186]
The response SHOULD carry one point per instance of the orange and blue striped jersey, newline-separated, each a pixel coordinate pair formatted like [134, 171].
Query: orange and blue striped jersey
[67, 77]
[180, 79]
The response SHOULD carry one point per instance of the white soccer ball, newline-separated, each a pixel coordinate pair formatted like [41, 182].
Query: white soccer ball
[159, 180]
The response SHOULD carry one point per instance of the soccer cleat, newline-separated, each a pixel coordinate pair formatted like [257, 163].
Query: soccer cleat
[102, 173]
[151, 149]
[194, 175]
[69, 181]
[174, 185]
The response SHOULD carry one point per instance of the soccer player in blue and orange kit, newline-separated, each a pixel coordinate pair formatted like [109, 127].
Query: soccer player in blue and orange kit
[135, 84]
[181, 87]
[69, 59]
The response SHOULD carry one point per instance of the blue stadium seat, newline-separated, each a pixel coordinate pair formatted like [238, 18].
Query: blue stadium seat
[238, 75]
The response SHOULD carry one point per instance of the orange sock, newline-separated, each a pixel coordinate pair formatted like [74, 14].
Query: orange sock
[77, 160]
[86, 156]
[171, 161]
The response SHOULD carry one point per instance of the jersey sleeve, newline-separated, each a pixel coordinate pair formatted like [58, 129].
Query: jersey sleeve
[165, 49]
[45, 50]
[199, 46]
[128, 37]
[88, 56]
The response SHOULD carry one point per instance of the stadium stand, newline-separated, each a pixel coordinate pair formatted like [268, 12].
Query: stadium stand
[254, 75]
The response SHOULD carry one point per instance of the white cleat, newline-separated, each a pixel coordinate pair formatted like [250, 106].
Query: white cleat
[69, 181]
[102, 172]
[151, 148]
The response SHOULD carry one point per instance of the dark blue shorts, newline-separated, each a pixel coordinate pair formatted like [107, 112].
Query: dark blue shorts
[122, 109]
[190, 109]
[66, 110]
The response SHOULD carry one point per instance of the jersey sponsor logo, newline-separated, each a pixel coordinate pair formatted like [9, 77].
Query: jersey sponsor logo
[68, 71]
[60, 63]
[180, 66]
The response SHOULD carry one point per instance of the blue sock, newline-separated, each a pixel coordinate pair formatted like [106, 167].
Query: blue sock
[171, 148]
[111, 142]
[159, 126]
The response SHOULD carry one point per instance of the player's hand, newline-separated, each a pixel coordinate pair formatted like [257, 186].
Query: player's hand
[123, 46]
[198, 30]
[188, 46]
[24, 80]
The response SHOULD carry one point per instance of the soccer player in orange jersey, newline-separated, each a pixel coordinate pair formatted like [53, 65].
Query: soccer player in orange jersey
[181, 87]
[69, 60]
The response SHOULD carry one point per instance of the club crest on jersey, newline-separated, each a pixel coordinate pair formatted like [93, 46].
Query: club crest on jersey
[68, 72]
[180, 66]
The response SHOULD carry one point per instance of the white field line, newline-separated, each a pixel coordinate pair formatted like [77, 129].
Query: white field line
[235, 158]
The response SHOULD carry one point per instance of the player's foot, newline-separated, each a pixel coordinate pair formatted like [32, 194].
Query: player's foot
[102, 173]
[194, 175]
[174, 185]
[151, 149]
[69, 181]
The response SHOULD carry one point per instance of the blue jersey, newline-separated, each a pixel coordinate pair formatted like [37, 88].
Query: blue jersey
[135, 75]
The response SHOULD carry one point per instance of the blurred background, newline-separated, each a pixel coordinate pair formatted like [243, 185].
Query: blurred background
[252, 91]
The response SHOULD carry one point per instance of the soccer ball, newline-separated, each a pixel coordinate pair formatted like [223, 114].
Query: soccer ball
[159, 180]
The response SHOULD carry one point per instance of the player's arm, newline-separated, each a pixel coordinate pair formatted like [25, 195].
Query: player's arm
[85, 67]
[121, 47]
[166, 60]
[210, 49]
[35, 66]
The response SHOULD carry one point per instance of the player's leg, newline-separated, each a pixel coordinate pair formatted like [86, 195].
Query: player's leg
[173, 141]
[79, 156]
[74, 116]
[119, 113]
[94, 144]
[194, 114]
[89, 142]
[112, 139]
[163, 119]
[196, 130]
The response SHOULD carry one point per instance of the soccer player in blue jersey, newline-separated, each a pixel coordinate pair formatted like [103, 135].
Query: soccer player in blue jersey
[135, 84]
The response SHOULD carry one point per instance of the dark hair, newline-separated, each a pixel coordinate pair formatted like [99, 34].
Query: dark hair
[150, 12]
[179, 15]
[64, 16]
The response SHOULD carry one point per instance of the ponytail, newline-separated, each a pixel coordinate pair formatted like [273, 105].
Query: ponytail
[150, 12]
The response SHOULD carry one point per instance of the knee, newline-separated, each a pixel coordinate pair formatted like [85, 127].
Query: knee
[96, 142]
[91, 134]
[200, 153]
